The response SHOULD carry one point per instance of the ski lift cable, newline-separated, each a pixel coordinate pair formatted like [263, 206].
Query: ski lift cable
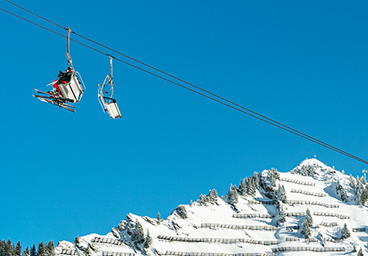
[24, 9]
[256, 115]
[169, 75]
[217, 99]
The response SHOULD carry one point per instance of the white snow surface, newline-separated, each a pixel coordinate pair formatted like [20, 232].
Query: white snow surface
[118, 242]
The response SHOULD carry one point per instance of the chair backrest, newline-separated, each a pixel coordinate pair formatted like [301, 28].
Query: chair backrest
[113, 110]
[73, 90]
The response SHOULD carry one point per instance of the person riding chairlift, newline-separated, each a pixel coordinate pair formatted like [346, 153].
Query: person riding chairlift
[63, 78]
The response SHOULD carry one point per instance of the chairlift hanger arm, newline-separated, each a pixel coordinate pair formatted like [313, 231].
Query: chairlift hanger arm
[67, 49]
[111, 83]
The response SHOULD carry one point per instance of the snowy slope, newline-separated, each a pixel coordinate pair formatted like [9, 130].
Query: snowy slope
[219, 227]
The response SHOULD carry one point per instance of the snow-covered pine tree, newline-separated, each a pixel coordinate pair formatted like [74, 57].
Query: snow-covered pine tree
[256, 179]
[273, 176]
[340, 191]
[203, 200]
[247, 186]
[364, 197]
[241, 187]
[252, 187]
[305, 231]
[148, 241]
[272, 180]
[158, 218]
[352, 181]
[212, 196]
[345, 233]
[363, 181]
[361, 194]
[281, 193]
[308, 218]
[282, 216]
[232, 195]
[357, 181]
[354, 248]
[360, 252]
[138, 235]
[284, 197]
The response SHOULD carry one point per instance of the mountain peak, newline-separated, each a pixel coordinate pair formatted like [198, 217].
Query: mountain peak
[310, 208]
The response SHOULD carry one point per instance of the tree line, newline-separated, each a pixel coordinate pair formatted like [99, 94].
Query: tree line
[7, 248]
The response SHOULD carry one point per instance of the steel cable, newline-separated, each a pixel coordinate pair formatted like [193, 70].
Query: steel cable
[212, 96]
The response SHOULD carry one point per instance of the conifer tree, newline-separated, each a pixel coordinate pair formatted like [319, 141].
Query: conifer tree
[203, 199]
[247, 189]
[50, 248]
[352, 181]
[363, 181]
[361, 194]
[241, 187]
[26, 252]
[256, 179]
[364, 196]
[8, 250]
[244, 187]
[282, 216]
[158, 217]
[232, 195]
[18, 249]
[212, 196]
[360, 253]
[138, 235]
[2, 247]
[76, 241]
[33, 250]
[281, 193]
[41, 249]
[305, 231]
[148, 241]
[354, 248]
[308, 218]
[345, 233]
[252, 187]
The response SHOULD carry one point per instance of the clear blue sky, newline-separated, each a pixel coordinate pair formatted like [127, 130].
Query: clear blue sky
[303, 63]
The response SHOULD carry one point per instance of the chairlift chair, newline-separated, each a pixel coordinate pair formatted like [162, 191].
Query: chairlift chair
[71, 91]
[74, 89]
[107, 102]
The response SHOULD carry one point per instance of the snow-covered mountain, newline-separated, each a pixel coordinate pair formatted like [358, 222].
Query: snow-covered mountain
[301, 211]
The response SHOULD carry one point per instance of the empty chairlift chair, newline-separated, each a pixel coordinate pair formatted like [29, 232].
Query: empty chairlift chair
[105, 96]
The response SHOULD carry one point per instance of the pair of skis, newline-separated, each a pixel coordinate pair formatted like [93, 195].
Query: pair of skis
[53, 99]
